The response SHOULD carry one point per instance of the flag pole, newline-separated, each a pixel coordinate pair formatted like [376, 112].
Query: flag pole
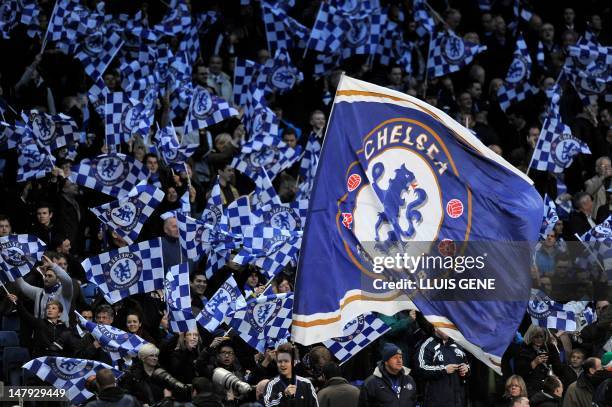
[590, 252]
[49, 24]
[4, 287]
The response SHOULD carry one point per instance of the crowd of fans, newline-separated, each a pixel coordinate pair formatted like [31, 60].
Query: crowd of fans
[413, 363]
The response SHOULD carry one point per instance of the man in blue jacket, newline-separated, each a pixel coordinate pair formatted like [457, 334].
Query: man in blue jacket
[391, 384]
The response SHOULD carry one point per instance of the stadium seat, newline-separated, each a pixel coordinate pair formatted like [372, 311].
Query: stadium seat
[14, 358]
[89, 292]
[8, 338]
[11, 323]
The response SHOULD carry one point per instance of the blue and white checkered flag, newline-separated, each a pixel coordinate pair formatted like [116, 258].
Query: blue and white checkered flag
[9, 17]
[126, 216]
[34, 161]
[172, 152]
[198, 238]
[598, 241]
[356, 335]
[278, 74]
[264, 193]
[51, 131]
[259, 119]
[18, 254]
[190, 45]
[97, 96]
[68, 374]
[271, 248]
[516, 87]
[556, 147]
[550, 314]
[178, 299]
[282, 31]
[422, 17]
[221, 305]
[10, 135]
[176, 21]
[113, 340]
[124, 118]
[263, 318]
[214, 214]
[133, 269]
[550, 217]
[540, 54]
[239, 214]
[97, 51]
[310, 161]
[244, 72]
[588, 68]
[448, 53]
[265, 152]
[111, 174]
[206, 110]
[327, 32]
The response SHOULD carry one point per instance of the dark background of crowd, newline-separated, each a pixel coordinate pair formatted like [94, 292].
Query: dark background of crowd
[55, 210]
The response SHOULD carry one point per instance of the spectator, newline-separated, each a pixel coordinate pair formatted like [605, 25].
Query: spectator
[515, 387]
[220, 353]
[219, 80]
[573, 369]
[202, 393]
[391, 383]
[183, 358]
[57, 285]
[605, 210]
[537, 357]
[197, 287]
[337, 389]
[550, 395]
[580, 393]
[5, 226]
[133, 325]
[581, 219]
[287, 388]
[138, 381]
[598, 184]
[171, 248]
[49, 330]
[43, 228]
[443, 366]
[108, 392]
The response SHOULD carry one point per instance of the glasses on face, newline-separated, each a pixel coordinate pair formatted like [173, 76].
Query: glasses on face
[226, 353]
[514, 385]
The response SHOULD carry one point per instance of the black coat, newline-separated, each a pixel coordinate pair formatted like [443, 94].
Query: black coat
[115, 397]
[377, 390]
[534, 377]
[305, 395]
[541, 399]
[137, 383]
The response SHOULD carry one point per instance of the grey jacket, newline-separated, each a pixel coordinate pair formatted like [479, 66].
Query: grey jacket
[40, 298]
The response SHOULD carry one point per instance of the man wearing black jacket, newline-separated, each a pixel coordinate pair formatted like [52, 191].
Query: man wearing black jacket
[289, 389]
[110, 394]
[391, 384]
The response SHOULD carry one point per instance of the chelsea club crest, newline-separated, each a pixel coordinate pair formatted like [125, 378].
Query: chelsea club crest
[125, 216]
[43, 128]
[352, 329]
[563, 149]
[282, 78]
[453, 49]
[202, 104]
[517, 71]
[357, 34]
[123, 270]
[109, 170]
[403, 188]
[70, 369]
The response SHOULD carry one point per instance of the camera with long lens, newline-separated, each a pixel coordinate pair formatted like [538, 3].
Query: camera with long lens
[229, 381]
[170, 382]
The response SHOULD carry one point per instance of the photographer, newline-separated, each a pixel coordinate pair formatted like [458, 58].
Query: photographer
[289, 389]
[537, 357]
[108, 392]
[146, 381]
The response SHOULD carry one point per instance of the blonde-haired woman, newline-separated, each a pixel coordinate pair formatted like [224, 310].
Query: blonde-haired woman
[182, 360]
[537, 358]
[515, 387]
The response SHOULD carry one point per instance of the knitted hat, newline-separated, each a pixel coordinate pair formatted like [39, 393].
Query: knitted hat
[389, 350]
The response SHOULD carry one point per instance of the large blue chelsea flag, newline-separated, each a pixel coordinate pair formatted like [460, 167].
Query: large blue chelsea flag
[398, 174]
